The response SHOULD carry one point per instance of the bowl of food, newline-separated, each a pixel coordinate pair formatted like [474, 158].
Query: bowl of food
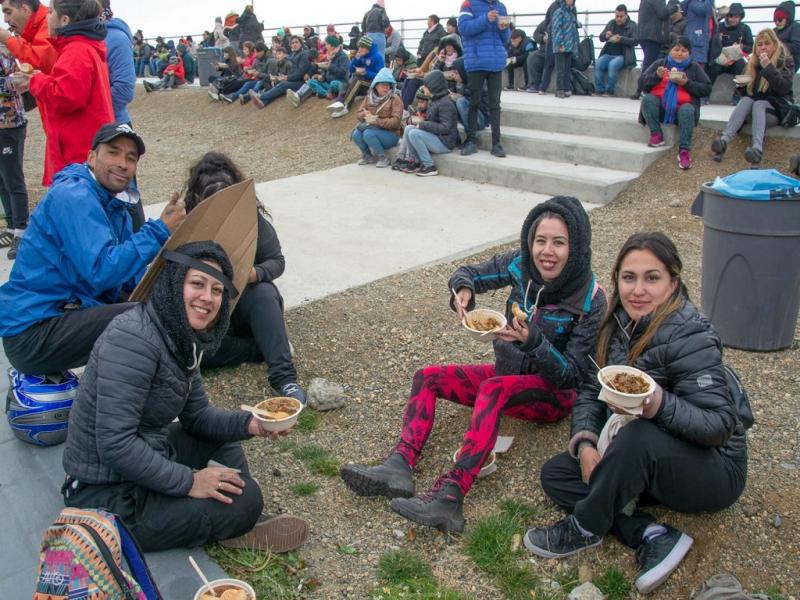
[675, 75]
[481, 323]
[279, 413]
[501, 20]
[226, 589]
[489, 466]
[416, 119]
[625, 387]
[742, 80]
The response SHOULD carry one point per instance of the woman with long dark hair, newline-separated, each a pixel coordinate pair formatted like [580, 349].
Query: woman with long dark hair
[76, 94]
[258, 330]
[689, 436]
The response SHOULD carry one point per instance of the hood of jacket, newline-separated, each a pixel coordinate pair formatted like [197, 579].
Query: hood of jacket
[384, 76]
[120, 25]
[437, 84]
[454, 41]
[736, 9]
[94, 29]
[788, 8]
[569, 288]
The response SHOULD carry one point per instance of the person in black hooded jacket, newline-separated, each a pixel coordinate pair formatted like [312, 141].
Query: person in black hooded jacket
[539, 360]
[438, 133]
[788, 30]
[732, 32]
[126, 451]
[520, 47]
[687, 447]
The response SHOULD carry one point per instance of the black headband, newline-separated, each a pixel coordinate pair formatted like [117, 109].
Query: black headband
[193, 263]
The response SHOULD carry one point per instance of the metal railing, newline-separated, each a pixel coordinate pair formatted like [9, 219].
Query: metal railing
[759, 16]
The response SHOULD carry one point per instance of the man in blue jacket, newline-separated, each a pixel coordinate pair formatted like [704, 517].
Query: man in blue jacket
[485, 33]
[79, 258]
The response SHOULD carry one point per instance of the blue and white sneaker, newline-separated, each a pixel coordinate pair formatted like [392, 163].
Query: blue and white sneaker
[293, 390]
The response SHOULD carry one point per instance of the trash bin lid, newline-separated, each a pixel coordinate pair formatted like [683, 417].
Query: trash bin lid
[757, 184]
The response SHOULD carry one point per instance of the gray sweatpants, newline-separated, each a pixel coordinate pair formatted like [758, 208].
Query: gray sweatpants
[752, 111]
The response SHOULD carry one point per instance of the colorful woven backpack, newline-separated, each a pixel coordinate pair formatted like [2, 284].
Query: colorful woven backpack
[81, 559]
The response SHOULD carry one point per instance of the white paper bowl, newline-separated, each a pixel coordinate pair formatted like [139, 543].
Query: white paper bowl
[620, 399]
[242, 584]
[489, 467]
[483, 313]
[742, 80]
[280, 424]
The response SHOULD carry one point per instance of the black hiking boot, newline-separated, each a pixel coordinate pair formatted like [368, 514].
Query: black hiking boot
[442, 507]
[659, 556]
[718, 147]
[392, 479]
[560, 540]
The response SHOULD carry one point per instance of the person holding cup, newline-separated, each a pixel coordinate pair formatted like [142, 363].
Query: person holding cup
[540, 361]
[766, 93]
[142, 431]
[379, 124]
[687, 438]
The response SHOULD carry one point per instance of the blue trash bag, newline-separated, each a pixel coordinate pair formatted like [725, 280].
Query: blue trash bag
[758, 184]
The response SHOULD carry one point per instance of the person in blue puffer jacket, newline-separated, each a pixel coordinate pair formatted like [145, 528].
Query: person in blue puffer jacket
[363, 68]
[79, 258]
[121, 69]
[484, 28]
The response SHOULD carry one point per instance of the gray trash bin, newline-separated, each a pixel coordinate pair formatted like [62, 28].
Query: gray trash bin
[206, 60]
[751, 259]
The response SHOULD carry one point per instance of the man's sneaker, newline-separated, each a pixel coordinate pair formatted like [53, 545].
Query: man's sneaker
[392, 479]
[559, 540]
[292, 97]
[656, 139]
[227, 98]
[212, 92]
[659, 556]
[148, 87]
[257, 101]
[383, 162]
[6, 237]
[497, 150]
[279, 534]
[567, 94]
[427, 171]
[340, 113]
[468, 148]
[244, 99]
[12, 249]
[293, 390]
[532, 89]
[410, 167]
[442, 507]
[399, 163]
[335, 107]
[684, 159]
[367, 159]
[542, 92]
[718, 147]
[753, 155]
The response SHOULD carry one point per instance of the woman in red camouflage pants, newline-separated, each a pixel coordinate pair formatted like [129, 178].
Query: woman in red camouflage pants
[539, 361]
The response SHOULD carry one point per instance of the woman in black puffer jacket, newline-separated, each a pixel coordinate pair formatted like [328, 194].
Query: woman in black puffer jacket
[687, 449]
[125, 453]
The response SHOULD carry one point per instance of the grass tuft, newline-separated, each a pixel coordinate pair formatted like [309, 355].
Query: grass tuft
[308, 421]
[270, 575]
[317, 460]
[613, 584]
[305, 488]
[405, 575]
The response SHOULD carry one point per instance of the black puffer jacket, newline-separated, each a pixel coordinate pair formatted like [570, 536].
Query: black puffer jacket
[685, 359]
[375, 20]
[249, 27]
[654, 20]
[442, 117]
[628, 39]
[790, 34]
[429, 41]
[133, 388]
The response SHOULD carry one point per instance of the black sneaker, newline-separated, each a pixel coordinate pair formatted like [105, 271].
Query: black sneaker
[659, 556]
[753, 155]
[468, 148]
[399, 163]
[498, 151]
[442, 507]
[410, 167]
[391, 479]
[559, 540]
[718, 147]
[12, 249]
[427, 171]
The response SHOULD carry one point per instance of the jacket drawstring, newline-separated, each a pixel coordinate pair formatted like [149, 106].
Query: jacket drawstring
[535, 307]
[197, 359]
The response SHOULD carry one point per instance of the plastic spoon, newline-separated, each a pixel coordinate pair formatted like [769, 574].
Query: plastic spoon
[202, 576]
[266, 414]
[608, 383]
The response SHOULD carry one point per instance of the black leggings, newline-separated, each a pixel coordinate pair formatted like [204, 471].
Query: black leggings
[645, 464]
[161, 522]
[13, 192]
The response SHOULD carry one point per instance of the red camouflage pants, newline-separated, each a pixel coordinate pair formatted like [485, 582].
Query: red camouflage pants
[527, 397]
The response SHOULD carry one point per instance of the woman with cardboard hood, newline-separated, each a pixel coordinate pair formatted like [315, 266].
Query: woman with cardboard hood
[125, 449]
[539, 361]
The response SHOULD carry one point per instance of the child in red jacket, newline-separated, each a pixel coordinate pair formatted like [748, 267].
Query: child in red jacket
[174, 75]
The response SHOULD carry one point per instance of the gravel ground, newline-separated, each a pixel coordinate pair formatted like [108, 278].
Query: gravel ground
[372, 339]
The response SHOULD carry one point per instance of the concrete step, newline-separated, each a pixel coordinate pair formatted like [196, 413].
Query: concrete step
[577, 149]
[587, 183]
[611, 126]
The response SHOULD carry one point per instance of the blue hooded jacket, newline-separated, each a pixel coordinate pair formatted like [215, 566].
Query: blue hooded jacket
[79, 248]
[372, 62]
[121, 70]
[484, 42]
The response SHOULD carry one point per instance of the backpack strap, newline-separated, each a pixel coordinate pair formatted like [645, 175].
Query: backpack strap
[105, 551]
[135, 558]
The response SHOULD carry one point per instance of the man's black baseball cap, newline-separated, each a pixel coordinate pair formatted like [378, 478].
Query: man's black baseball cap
[112, 131]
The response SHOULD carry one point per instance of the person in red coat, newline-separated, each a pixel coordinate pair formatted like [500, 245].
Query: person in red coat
[76, 94]
[174, 75]
[28, 18]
